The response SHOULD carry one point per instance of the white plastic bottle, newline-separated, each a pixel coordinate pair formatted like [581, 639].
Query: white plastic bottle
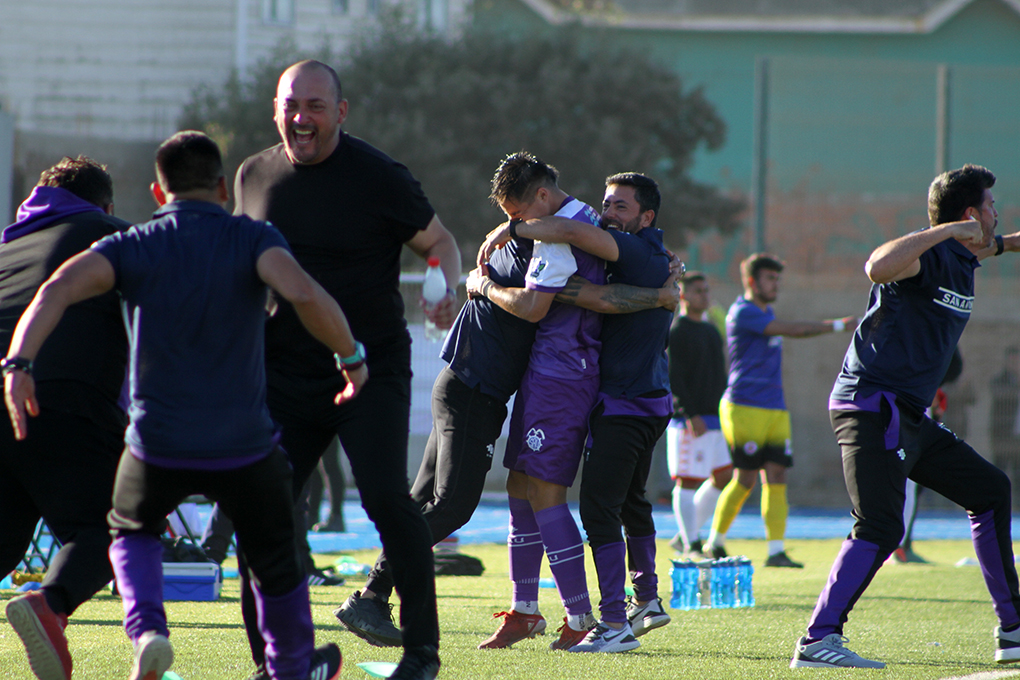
[433, 290]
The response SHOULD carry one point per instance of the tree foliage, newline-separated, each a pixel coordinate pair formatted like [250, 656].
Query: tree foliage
[451, 110]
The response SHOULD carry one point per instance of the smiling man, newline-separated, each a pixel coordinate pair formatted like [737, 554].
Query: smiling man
[347, 209]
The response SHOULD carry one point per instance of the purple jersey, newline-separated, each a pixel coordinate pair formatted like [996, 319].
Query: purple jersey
[567, 343]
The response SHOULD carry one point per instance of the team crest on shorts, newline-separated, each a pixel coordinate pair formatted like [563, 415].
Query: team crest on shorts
[535, 439]
[750, 448]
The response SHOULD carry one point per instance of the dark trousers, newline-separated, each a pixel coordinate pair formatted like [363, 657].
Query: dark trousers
[458, 456]
[257, 498]
[880, 451]
[63, 472]
[373, 430]
[614, 476]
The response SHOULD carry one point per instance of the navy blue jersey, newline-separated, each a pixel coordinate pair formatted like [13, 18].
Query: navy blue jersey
[906, 340]
[487, 346]
[194, 307]
[633, 362]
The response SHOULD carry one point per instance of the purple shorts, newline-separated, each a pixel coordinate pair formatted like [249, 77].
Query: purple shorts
[549, 426]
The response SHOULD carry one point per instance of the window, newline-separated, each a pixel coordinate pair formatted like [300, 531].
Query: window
[278, 11]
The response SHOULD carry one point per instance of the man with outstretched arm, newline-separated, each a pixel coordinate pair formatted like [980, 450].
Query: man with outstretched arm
[921, 298]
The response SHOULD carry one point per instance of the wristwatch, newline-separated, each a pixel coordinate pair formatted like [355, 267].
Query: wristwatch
[353, 362]
[8, 364]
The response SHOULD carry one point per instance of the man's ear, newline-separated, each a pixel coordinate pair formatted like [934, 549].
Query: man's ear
[157, 193]
[222, 191]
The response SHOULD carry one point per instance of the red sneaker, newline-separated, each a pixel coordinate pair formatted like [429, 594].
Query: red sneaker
[42, 632]
[514, 628]
[570, 637]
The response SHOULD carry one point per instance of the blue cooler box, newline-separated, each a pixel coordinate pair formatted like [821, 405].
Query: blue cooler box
[194, 581]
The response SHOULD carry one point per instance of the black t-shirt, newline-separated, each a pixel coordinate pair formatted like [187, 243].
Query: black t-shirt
[345, 219]
[80, 368]
[697, 368]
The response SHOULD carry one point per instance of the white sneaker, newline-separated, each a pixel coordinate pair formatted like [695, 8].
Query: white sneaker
[153, 656]
[829, 652]
[647, 616]
[604, 638]
[1007, 647]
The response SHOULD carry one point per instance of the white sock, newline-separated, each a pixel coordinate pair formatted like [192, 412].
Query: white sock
[704, 502]
[775, 547]
[715, 540]
[575, 621]
[526, 607]
[684, 510]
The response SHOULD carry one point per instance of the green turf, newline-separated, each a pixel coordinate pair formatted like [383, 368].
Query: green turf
[925, 621]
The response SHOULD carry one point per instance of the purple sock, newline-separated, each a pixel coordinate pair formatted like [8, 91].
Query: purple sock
[610, 565]
[137, 561]
[525, 545]
[641, 558]
[852, 571]
[565, 550]
[285, 622]
[992, 561]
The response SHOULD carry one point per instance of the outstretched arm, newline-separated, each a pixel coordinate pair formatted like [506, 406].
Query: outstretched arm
[901, 258]
[553, 229]
[807, 329]
[85, 275]
[316, 308]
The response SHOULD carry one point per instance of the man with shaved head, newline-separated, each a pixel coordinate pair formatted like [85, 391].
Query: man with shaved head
[347, 209]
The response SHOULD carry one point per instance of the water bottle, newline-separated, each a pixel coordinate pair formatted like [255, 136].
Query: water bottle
[705, 584]
[691, 574]
[676, 574]
[729, 582]
[745, 589]
[433, 290]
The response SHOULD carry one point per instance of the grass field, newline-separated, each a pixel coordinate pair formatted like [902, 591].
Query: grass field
[924, 621]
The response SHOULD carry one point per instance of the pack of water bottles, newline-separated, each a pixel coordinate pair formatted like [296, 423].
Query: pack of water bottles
[719, 584]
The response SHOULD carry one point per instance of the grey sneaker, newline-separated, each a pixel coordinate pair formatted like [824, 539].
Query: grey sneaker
[153, 656]
[369, 619]
[1007, 645]
[647, 616]
[604, 638]
[829, 652]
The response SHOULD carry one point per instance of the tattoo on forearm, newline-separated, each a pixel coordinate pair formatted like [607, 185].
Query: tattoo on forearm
[626, 299]
[570, 292]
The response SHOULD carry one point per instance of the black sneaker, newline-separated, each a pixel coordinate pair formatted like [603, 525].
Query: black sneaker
[326, 663]
[319, 577]
[369, 619]
[781, 559]
[714, 552]
[418, 663]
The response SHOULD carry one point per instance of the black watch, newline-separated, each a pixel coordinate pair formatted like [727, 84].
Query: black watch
[8, 364]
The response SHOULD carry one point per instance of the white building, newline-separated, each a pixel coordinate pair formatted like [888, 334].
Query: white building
[108, 78]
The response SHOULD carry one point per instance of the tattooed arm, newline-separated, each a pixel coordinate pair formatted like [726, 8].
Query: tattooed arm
[618, 298]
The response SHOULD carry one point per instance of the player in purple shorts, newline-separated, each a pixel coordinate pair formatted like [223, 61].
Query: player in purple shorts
[543, 453]
[193, 287]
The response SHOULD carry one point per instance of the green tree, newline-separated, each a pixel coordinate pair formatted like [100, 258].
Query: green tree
[451, 110]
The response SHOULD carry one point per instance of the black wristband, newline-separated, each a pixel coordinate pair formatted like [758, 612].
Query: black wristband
[1000, 245]
[513, 227]
[8, 364]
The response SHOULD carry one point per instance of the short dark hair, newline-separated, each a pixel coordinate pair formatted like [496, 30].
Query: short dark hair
[188, 160]
[337, 87]
[692, 277]
[952, 192]
[83, 177]
[519, 176]
[756, 262]
[646, 190]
